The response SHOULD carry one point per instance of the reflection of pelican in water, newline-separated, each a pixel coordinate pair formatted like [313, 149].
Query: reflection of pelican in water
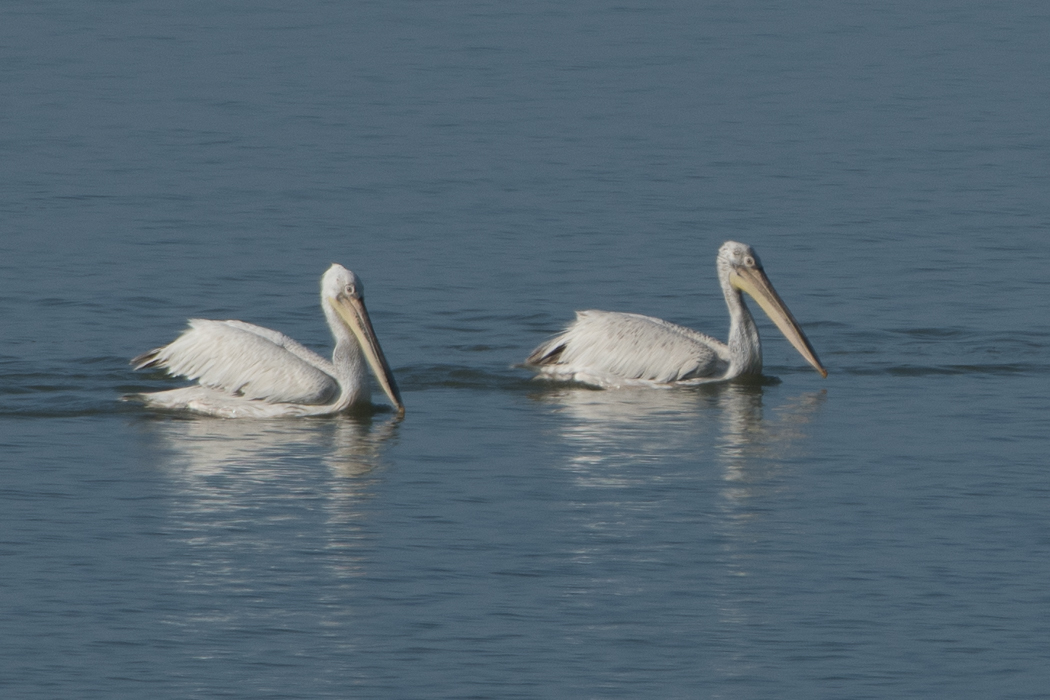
[272, 449]
[751, 444]
[610, 349]
[257, 506]
[682, 491]
[611, 435]
[246, 370]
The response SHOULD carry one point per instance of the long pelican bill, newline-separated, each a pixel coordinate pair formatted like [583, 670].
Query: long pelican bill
[754, 281]
[352, 310]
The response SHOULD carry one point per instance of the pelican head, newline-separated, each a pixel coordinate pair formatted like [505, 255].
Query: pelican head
[740, 268]
[343, 294]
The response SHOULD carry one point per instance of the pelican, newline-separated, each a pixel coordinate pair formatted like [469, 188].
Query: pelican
[247, 370]
[610, 349]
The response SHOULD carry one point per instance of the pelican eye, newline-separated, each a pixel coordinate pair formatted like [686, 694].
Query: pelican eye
[350, 289]
[749, 261]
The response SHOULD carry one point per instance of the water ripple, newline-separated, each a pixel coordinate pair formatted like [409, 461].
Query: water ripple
[951, 369]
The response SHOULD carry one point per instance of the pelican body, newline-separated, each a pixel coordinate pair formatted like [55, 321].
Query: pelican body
[244, 370]
[611, 349]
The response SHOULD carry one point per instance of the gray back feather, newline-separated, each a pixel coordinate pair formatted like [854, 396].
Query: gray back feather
[633, 346]
[247, 360]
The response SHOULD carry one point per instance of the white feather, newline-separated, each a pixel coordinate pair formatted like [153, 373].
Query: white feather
[247, 360]
[607, 348]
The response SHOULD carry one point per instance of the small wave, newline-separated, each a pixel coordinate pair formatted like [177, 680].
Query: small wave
[949, 369]
[931, 333]
[94, 385]
[78, 387]
[423, 377]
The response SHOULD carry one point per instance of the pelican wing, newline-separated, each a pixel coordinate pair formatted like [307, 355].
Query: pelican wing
[632, 347]
[246, 360]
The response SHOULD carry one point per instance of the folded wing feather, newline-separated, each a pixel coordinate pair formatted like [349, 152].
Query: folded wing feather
[634, 347]
[247, 360]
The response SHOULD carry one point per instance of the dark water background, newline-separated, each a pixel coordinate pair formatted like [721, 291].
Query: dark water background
[487, 168]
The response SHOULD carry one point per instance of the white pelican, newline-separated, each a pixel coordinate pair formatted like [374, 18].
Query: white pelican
[247, 370]
[610, 349]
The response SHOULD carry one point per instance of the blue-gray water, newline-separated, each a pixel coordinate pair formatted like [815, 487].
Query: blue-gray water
[487, 168]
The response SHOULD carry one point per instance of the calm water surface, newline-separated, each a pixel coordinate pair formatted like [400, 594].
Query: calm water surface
[486, 170]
